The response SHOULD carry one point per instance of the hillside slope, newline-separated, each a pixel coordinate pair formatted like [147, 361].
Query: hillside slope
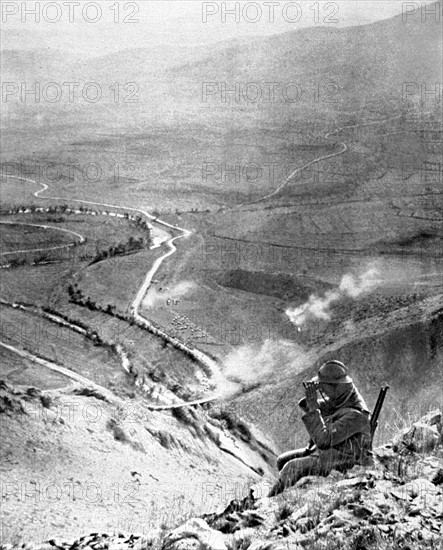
[395, 504]
[78, 458]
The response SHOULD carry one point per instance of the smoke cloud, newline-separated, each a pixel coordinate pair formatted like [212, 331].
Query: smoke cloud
[318, 307]
[250, 365]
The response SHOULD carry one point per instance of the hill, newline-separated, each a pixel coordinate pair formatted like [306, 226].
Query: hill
[396, 504]
[336, 252]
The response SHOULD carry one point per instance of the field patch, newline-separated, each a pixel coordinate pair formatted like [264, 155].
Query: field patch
[20, 371]
[34, 284]
[116, 280]
[18, 237]
[148, 354]
[62, 346]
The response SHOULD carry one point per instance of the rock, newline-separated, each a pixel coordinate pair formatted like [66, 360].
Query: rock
[57, 543]
[367, 537]
[357, 470]
[360, 481]
[187, 544]
[420, 486]
[433, 418]
[261, 489]
[362, 511]
[260, 545]
[305, 481]
[241, 539]
[385, 454]
[438, 477]
[297, 514]
[421, 438]
[400, 494]
[305, 524]
[251, 518]
[198, 530]
[427, 467]
[338, 518]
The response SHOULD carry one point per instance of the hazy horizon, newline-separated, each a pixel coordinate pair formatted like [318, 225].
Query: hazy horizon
[172, 21]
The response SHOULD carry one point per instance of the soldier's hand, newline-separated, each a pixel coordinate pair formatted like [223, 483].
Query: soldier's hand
[311, 396]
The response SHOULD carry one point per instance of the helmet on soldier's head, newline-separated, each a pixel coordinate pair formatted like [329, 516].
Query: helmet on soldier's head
[333, 372]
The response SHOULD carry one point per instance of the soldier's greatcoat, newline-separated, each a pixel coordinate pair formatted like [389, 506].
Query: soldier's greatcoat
[340, 438]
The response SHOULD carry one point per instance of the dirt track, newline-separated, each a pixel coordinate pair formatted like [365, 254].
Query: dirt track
[135, 306]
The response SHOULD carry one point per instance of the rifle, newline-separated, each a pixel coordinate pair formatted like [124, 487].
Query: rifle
[376, 412]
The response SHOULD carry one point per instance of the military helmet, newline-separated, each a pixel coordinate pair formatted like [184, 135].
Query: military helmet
[333, 372]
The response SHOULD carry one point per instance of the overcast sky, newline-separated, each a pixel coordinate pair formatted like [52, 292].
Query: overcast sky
[151, 22]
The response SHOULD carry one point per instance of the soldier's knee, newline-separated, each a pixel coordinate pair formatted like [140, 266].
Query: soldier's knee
[281, 461]
[290, 455]
[290, 468]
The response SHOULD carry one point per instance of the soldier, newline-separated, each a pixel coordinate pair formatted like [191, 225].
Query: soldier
[338, 424]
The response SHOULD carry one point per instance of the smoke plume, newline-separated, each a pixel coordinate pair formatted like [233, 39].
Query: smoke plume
[318, 307]
[251, 365]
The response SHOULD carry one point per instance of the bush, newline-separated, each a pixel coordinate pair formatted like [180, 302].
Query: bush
[245, 432]
[233, 424]
[284, 511]
[185, 415]
[46, 401]
[117, 431]
[165, 439]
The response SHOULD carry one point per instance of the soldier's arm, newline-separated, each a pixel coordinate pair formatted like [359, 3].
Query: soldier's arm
[326, 435]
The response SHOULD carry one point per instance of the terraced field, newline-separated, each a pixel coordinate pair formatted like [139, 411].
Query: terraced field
[63, 347]
[19, 237]
[116, 280]
[19, 371]
[148, 354]
[39, 285]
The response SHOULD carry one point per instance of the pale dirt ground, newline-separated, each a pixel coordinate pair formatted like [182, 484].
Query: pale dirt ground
[64, 474]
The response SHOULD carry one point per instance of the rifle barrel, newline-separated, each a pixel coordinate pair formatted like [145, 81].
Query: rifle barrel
[377, 408]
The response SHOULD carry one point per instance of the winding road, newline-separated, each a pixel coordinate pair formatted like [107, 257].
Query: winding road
[344, 148]
[170, 244]
[135, 306]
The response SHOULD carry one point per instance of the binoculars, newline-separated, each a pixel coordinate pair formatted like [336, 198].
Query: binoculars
[316, 385]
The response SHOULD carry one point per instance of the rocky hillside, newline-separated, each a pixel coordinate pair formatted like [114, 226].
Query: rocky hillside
[80, 459]
[397, 504]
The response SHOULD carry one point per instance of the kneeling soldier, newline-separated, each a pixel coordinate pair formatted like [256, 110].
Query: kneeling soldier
[338, 425]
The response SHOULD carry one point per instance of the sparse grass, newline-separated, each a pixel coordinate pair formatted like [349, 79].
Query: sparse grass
[322, 508]
[233, 424]
[165, 439]
[189, 417]
[284, 511]
[239, 542]
[90, 392]
[368, 538]
[400, 422]
[213, 436]
[185, 415]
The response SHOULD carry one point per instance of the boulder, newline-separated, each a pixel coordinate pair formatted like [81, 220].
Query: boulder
[421, 437]
[417, 488]
[433, 418]
[193, 534]
[428, 467]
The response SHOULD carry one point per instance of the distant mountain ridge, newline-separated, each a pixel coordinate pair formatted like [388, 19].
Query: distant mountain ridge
[361, 59]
